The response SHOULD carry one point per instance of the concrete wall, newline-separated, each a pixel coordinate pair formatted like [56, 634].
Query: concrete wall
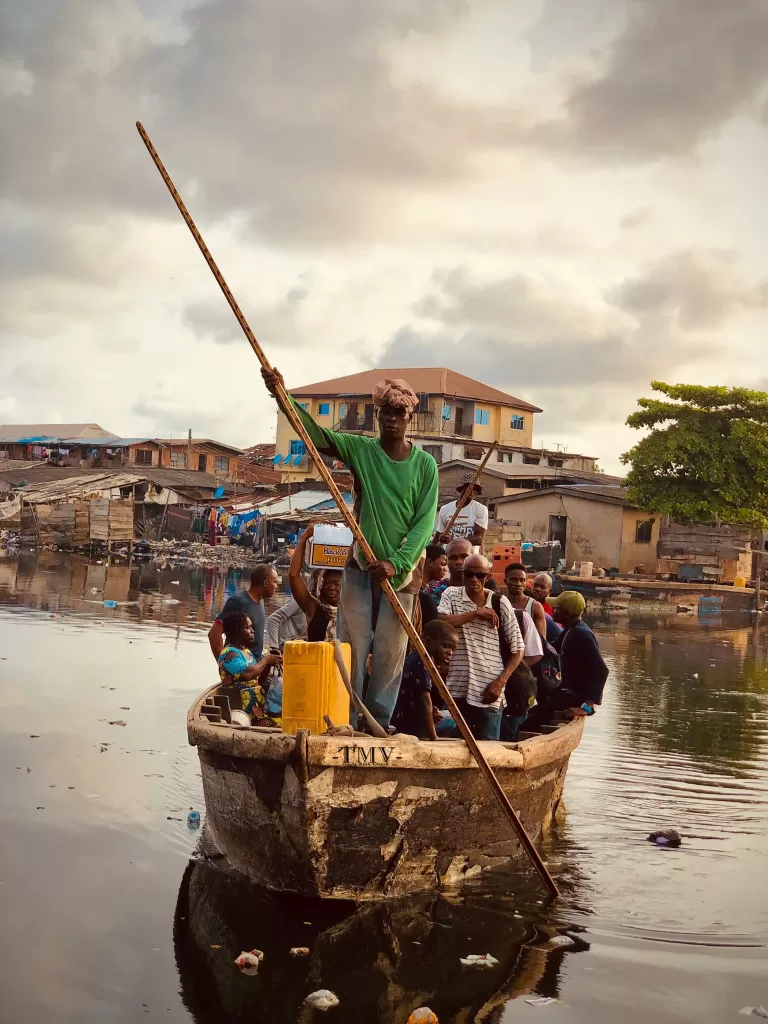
[450, 478]
[593, 531]
[632, 553]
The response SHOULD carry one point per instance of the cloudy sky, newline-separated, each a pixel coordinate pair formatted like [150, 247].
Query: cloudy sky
[563, 198]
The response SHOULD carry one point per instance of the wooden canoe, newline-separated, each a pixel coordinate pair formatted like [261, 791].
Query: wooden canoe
[365, 818]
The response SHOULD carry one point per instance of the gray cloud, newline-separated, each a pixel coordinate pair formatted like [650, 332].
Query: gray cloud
[700, 289]
[535, 343]
[679, 70]
[171, 418]
[213, 320]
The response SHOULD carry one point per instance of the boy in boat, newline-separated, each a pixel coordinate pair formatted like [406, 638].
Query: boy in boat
[319, 604]
[238, 667]
[414, 712]
[395, 503]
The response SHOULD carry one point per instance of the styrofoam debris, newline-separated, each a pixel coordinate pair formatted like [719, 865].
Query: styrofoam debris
[560, 941]
[754, 1011]
[323, 999]
[423, 1016]
[478, 960]
[541, 1001]
[249, 962]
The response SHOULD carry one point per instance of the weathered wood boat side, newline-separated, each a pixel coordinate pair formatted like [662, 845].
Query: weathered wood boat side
[361, 818]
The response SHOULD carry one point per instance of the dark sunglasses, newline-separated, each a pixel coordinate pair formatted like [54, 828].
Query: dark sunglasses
[471, 574]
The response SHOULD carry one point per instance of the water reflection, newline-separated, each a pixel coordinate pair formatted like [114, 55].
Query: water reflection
[144, 590]
[95, 840]
[382, 960]
[706, 700]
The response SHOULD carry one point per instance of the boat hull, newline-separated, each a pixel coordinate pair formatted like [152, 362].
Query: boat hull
[364, 818]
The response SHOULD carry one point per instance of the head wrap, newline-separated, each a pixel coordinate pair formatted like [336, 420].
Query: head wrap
[397, 393]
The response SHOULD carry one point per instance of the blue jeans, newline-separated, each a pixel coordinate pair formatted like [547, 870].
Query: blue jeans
[510, 726]
[484, 723]
[361, 598]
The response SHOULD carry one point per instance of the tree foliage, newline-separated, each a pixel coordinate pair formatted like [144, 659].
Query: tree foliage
[706, 456]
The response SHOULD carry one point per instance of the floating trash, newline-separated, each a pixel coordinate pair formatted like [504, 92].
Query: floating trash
[665, 837]
[323, 999]
[249, 962]
[423, 1016]
[754, 1011]
[541, 1001]
[300, 951]
[479, 960]
[193, 819]
[110, 604]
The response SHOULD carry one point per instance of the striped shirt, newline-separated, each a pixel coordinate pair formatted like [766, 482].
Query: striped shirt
[476, 662]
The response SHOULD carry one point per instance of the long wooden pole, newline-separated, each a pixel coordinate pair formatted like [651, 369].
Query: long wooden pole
[293, 418]
[466, 496]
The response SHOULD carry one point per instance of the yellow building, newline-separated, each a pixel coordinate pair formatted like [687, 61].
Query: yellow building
[454, 411]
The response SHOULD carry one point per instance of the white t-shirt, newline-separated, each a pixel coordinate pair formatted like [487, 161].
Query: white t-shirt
[476, 662]
[473, 514]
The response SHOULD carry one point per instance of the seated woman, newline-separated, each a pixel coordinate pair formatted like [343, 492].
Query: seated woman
[321, 603]
[238, 667]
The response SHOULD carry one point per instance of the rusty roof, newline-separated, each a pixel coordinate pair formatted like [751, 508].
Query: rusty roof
[429, 380]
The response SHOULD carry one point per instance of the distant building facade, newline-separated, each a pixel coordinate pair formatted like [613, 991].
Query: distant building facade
[457, 418]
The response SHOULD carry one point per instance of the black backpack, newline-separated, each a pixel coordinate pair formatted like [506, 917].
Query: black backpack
[520, 691]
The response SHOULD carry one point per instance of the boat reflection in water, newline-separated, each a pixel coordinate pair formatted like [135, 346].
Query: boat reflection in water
[381, 959]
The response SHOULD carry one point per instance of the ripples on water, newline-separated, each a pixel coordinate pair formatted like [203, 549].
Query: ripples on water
[99, 912]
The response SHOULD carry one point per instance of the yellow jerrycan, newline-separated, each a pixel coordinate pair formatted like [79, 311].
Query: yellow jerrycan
[313, 687]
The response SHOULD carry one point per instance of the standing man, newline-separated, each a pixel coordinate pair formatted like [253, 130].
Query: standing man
[472, 521]
[264, 584]
[516, 578]
[395, 503]
[582, 667]
[477, 674]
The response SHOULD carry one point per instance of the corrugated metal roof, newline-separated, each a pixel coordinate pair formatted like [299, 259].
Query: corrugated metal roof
[76, 487]
[607, 495]
[430, 380]
[11, 432]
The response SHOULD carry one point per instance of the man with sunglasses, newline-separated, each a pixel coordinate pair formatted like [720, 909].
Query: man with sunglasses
[477, 674]
[396, 492]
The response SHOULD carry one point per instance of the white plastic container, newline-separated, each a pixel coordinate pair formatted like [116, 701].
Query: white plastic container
[585, 568]
[329, 546]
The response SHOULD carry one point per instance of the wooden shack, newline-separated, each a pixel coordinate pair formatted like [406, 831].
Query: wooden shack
[77, 523]
[718, 551]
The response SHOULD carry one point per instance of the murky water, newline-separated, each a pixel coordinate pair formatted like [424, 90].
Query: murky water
[104, 918]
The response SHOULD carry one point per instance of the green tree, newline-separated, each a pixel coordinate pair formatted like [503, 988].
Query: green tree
[706, 456]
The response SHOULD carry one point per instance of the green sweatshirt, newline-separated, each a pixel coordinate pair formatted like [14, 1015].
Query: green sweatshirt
[397, 500]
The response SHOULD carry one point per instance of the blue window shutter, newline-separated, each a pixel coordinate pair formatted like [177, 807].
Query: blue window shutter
[323, 409]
